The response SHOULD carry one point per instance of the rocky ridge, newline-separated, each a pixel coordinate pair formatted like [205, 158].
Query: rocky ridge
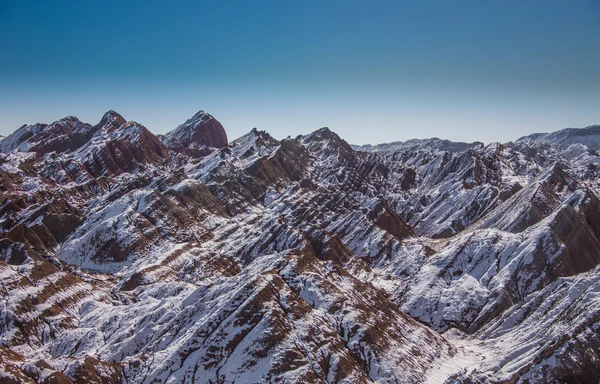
[131, 257]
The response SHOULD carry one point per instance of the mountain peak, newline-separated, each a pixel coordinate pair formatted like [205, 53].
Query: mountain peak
[201, 116]
[111, 119]
[295, 258]
[202, 130]
[111, 114]
[68, 119]
[322, 134]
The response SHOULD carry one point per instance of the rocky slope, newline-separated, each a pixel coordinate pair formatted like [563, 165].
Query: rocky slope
[127, 257]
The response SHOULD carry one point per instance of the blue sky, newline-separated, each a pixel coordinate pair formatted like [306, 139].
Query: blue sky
[374, 72]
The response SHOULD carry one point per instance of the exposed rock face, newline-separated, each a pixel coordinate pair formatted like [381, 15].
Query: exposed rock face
[110, 121]
[125, 257]
[64, 135]
[121, 149]
[202, 130]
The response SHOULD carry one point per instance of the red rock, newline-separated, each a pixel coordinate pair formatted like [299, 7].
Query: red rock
[202, 130]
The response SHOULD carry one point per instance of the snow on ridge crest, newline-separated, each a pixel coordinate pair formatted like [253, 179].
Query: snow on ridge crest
[299, 259]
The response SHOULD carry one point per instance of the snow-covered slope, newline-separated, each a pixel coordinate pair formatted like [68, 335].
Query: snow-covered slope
[588, 136]
[416, 144]
[127, 257]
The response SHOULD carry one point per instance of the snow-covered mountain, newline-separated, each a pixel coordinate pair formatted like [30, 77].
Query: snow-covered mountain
[127, 257]
[588, 136]
[416, 144]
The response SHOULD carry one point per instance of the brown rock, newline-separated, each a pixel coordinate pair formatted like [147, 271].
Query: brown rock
[202, 130]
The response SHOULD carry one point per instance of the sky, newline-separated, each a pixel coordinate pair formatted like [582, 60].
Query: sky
[372, 71]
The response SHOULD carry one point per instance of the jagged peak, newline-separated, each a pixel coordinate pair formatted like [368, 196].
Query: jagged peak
[260, 133]
[255, 138]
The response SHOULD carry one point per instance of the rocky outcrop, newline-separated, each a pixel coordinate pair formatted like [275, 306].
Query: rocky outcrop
[385, 218]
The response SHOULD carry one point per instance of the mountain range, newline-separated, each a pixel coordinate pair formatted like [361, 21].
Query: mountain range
[130, 257]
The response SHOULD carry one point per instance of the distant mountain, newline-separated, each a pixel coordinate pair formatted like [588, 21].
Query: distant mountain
[434, 143]
[589, 136]
[127, 257]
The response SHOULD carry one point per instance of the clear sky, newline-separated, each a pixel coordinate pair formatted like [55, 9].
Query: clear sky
[373, 71]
